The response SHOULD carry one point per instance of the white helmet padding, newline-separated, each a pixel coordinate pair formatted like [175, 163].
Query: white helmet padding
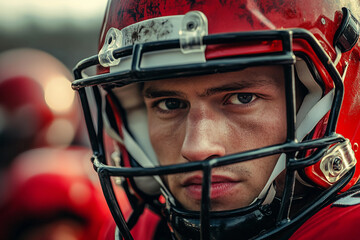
[313, 108]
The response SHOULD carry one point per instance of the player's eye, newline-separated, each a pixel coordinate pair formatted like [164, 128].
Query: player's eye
[241, 98]
[170, 104]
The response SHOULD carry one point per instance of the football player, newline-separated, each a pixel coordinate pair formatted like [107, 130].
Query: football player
[230, 119]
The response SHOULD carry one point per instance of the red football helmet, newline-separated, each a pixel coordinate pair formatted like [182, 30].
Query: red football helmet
[50, 193]
[317, 44]
[36, 107]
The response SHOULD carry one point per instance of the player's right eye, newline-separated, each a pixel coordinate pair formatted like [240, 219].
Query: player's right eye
[170, 104]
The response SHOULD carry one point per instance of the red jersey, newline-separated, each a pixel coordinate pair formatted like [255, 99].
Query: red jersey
[340, 220]
[144, 229]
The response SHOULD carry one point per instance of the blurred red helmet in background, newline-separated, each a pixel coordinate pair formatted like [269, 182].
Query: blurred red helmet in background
[37, 106]
[51, 193]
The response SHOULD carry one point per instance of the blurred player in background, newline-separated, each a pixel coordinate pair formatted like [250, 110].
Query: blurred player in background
[36, 107]
[46, 190]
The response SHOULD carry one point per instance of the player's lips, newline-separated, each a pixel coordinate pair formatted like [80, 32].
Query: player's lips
[220, 186]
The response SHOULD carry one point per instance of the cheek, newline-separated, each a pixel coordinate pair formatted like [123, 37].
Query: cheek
[273, 124]
[166, 140]
[255, 131]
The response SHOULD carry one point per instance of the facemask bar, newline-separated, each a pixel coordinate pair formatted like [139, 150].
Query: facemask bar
[105, 172]
[138, 74]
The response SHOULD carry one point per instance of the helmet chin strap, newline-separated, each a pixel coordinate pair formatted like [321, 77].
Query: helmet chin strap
[269, 190]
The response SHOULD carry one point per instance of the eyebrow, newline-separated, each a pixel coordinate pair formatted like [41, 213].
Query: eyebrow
[154, 92]
[235, 86]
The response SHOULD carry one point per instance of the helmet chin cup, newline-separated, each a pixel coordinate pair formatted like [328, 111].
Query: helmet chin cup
[247, 222]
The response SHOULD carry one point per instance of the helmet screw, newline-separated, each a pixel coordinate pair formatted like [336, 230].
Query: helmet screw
[191, 26]
[336, 164]
[356, 147]
[323, 21]
[110, 40]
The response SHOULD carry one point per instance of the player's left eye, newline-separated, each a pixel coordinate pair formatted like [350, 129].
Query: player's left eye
[241, 98]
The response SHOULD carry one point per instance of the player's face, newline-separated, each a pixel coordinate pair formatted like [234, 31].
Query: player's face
[198, 118]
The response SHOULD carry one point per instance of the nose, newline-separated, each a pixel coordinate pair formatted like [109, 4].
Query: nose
[205, 132]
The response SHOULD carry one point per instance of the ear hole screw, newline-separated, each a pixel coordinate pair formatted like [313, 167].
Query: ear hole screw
[191, 26]
[110, 40]
[356, 147]
[336, 165]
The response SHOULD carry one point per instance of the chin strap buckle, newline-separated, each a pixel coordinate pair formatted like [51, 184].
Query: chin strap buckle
[338, 161]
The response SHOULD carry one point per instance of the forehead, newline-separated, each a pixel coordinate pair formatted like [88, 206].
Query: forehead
[269, 76]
